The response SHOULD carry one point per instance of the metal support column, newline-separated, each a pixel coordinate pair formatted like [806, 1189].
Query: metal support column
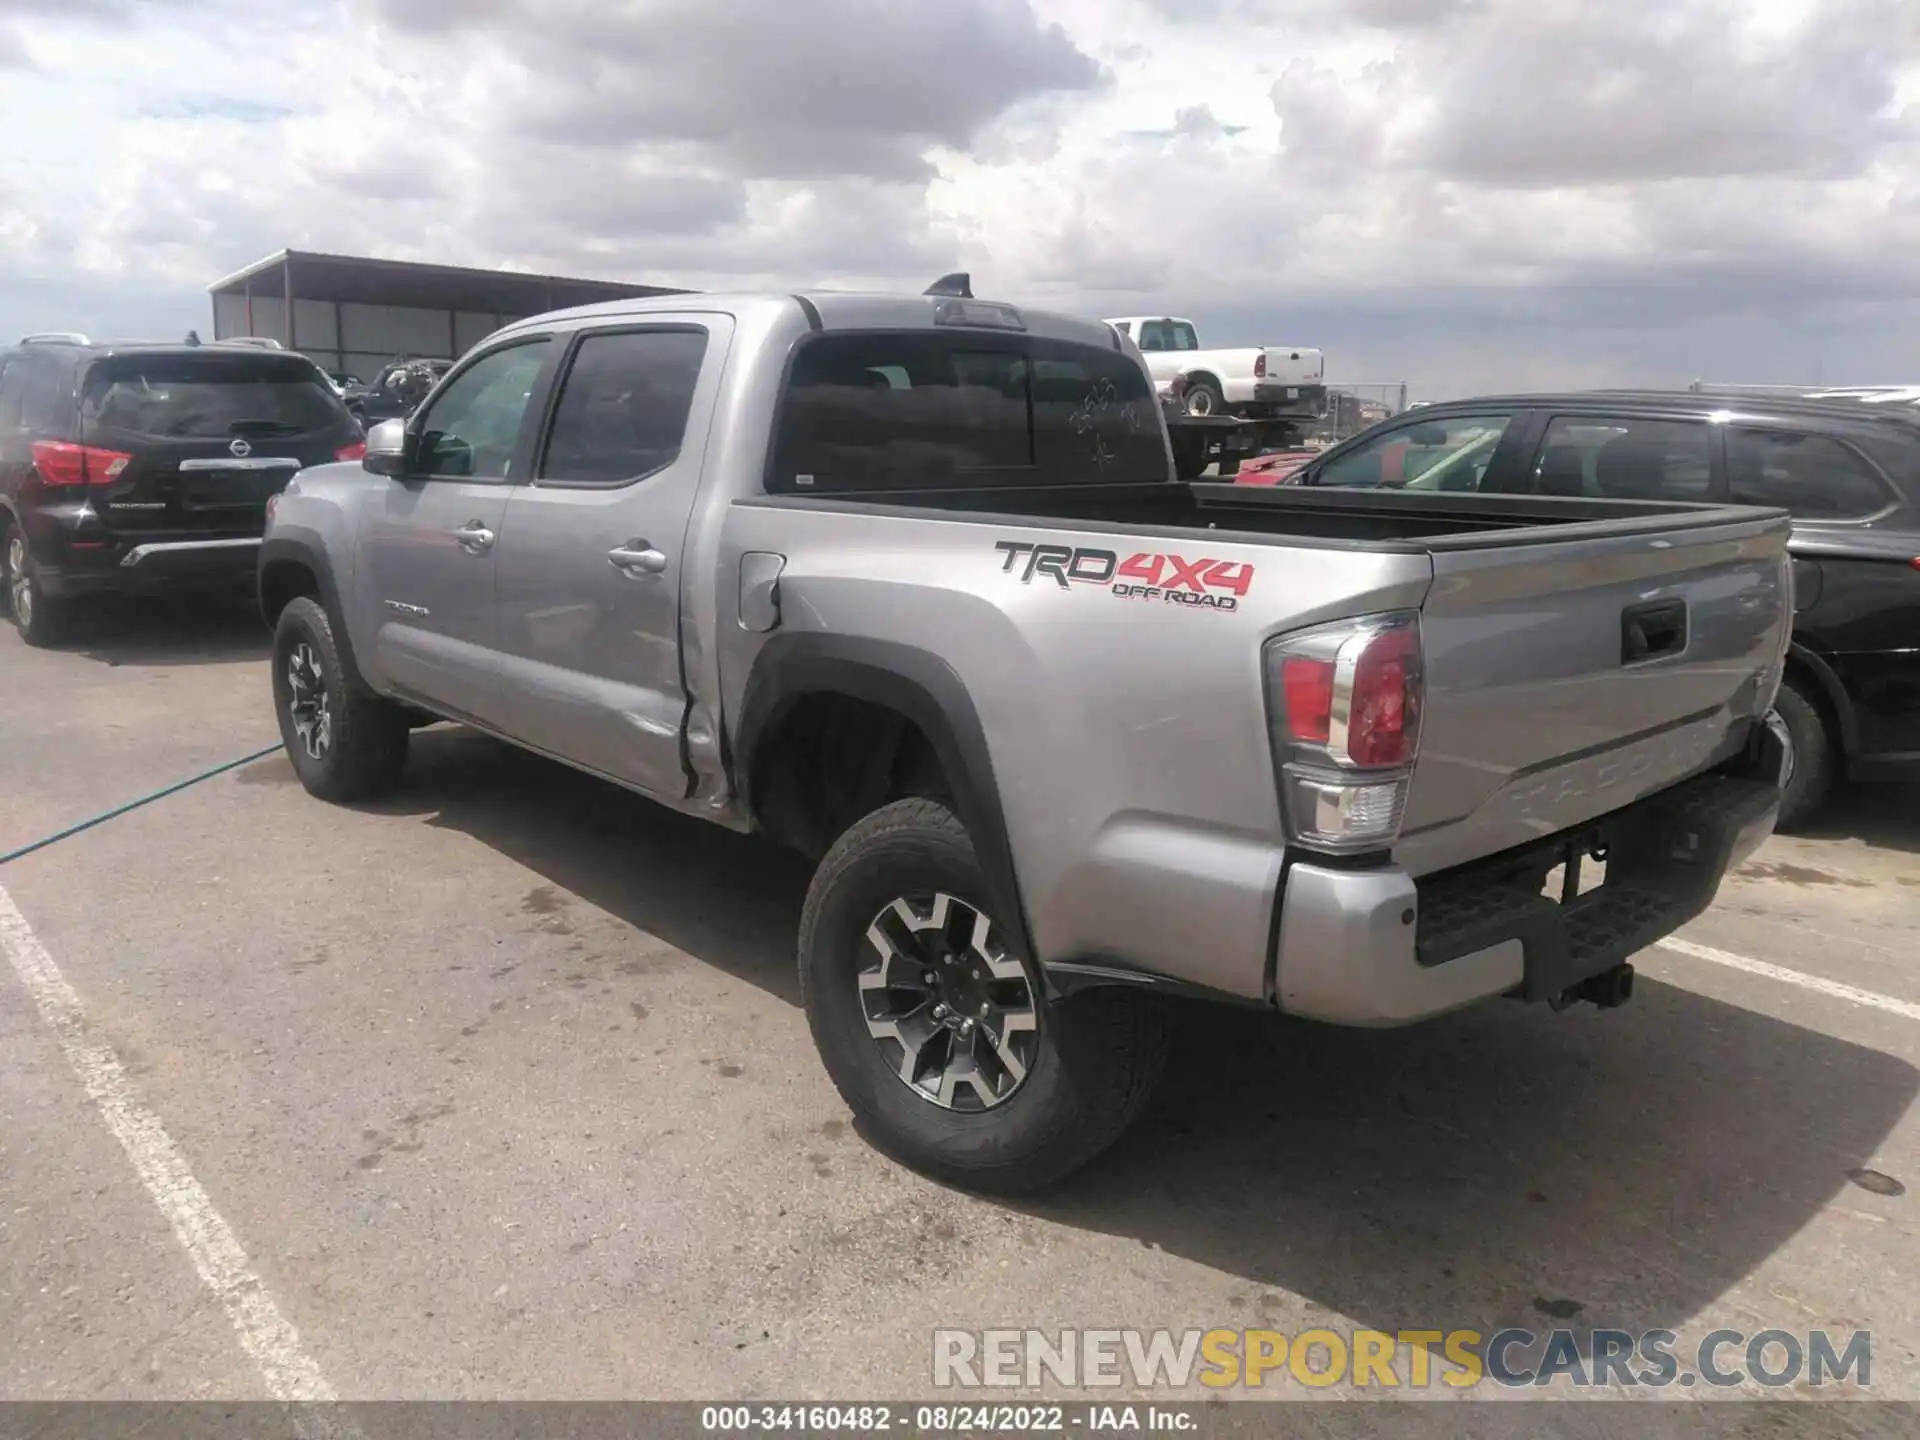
[286, 277]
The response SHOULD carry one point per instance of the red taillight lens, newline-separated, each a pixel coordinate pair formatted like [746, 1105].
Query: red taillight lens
[1346, 704]
[1260, 367]
[356, 451]
[1383, 715]
[1307, 688]
[60, 462]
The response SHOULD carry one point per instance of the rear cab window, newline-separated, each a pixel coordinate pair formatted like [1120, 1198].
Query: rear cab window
[203, 397]
[1812, 477]
[910, 410]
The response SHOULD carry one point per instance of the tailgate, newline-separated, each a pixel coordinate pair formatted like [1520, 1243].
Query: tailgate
[1567, 677]
[1293, 364]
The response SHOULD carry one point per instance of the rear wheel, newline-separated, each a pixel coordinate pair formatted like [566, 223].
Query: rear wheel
[939, 1036]
[1203, 398]
[39, 618]
[1811, 760]
[345, 744]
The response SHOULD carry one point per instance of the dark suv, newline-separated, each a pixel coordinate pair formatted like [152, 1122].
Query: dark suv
[129, 468]
[1848, 473]
[396, 392]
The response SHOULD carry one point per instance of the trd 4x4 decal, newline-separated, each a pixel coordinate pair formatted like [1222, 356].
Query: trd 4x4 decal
[1205, 583]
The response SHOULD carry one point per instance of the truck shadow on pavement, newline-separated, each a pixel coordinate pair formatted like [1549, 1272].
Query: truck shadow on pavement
[168, 633]
[1884, 816]
[728, 900]
[1503, 1166]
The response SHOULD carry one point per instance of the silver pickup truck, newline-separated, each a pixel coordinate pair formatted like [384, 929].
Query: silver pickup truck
[906, 583]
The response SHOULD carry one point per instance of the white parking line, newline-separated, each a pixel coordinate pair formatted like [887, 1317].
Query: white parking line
[1805, 981]
[265, 1334]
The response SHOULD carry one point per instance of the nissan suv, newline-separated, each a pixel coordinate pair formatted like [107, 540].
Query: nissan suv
[139, 467]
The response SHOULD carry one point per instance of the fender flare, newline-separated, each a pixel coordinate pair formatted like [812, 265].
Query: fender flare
[926, 690]
[1832, 690]
[285, 549]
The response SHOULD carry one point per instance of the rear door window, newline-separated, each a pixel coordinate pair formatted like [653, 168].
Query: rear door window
[1814, 477]
[910, 410]
[623, 406]
[192, 397]
[42, 384]
[13, 377]
[1624, 458]
[1445, 453]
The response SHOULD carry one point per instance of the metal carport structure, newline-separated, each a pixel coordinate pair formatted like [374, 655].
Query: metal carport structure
[355, 313]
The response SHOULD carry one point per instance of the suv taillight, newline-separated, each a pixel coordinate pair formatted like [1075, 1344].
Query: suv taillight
[61, 462]
[1260, 366]
[1345, 703]
[356, 451]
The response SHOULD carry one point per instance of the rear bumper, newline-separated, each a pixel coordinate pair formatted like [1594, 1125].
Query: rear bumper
[1299, 399]
[1375, 947]
[125, 567]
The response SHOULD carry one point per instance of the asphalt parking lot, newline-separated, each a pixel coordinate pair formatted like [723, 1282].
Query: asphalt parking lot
[503, 1090]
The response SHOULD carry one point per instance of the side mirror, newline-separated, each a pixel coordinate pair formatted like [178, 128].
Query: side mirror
[387, 448]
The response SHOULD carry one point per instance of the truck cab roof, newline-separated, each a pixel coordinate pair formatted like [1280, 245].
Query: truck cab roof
[844, 310]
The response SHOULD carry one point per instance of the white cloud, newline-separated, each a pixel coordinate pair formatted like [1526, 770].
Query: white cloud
[1470, 191]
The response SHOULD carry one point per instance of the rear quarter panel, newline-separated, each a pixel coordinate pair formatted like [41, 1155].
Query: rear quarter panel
[1127, 735]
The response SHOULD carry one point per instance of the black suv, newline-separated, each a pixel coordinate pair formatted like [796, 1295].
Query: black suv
[134, 467]
[396, 392]
[1848, 472]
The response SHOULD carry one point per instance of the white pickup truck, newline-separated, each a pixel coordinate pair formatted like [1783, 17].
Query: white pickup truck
[1263, 382]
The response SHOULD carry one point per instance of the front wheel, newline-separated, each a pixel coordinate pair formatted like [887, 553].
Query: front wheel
[939, 1036]
[345, 744]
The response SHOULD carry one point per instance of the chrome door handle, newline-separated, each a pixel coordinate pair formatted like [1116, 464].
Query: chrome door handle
[475, 538]
[636, 559]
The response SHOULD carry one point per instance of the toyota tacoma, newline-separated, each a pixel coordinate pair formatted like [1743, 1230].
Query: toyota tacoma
[907, 584]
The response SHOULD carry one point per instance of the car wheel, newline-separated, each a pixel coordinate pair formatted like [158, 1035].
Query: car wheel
[345, 744]
[939, 1036]
[1203, 398]
[40, 619]
[1811, 761]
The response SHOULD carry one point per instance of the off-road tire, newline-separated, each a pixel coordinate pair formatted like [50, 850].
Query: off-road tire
[367, 746]
[1814, 759]
[1098, 1057]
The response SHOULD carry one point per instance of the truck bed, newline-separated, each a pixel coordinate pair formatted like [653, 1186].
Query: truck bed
[1579, 654]
[1405, 521]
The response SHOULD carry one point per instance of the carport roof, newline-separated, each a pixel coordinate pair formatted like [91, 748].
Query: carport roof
[363, 280]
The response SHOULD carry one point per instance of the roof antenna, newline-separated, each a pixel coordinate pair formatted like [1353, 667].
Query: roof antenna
[959, 285]
[193, 337]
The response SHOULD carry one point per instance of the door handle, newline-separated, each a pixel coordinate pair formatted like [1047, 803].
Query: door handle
[475, 538]
[636, 560]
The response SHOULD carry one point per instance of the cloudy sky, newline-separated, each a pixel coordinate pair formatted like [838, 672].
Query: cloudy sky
[1463, 193]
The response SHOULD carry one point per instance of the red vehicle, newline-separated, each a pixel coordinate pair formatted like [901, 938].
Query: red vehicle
[1277, 468]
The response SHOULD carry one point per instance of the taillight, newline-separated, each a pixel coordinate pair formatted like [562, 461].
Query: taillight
[61, 462]
[1346, 728]
[356, 451]
[1260, 366]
